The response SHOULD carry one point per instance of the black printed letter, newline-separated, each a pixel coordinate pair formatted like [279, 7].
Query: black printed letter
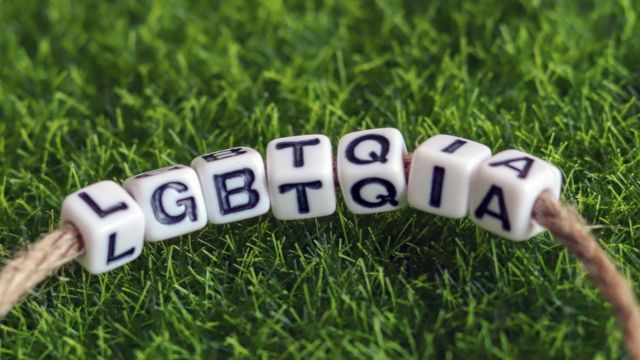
[223, 154]
[224, 193]
[501, 214]
[451, 148]
[388, 198]
[100, 211]
[301, 193]
[350, 152]
[188, 203]
[111, 252]
[522, 172]
[436, 186]
[298, 157]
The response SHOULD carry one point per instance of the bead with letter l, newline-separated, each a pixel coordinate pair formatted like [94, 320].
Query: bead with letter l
[110, 222]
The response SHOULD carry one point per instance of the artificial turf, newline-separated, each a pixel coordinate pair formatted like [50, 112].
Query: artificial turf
[111, 89]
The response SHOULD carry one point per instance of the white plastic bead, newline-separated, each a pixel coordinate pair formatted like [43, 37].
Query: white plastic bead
[441, 172]
[300, 177]
[371, 170]
[234, 184]
[171, 200]
[110, 223]
[504, 190]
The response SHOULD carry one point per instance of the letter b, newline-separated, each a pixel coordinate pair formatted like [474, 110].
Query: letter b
[234, 187]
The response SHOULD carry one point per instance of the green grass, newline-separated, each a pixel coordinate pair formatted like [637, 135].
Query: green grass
[108, 90]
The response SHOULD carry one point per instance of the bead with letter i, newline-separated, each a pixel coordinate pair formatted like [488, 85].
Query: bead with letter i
[441, 173]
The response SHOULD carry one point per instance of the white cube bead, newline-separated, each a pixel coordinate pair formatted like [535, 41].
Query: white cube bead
[234, 184]
[300, 177]
[504, 190]
[110, 223]
[371, 170]
[171, 199]
[441, 172]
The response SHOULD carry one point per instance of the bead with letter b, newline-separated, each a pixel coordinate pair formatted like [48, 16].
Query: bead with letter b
[234, 184]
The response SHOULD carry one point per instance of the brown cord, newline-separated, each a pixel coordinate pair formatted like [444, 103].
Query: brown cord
[571, 231]
[34, 264]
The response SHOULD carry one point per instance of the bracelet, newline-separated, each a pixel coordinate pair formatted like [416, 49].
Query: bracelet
[512, 194]
[448, 176]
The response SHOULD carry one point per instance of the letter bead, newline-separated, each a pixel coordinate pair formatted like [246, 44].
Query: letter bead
[234, 184]
[504, 190]
[300, 177]
[110, 223]
[441, 173]
[171, 199]
[371, 170]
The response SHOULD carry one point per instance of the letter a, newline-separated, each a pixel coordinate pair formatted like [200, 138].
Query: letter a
[501, 214]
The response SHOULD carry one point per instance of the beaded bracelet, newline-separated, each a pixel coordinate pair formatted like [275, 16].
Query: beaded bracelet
[512, 194]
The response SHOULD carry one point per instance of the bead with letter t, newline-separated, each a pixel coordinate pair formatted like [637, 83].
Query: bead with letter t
[300, 177]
